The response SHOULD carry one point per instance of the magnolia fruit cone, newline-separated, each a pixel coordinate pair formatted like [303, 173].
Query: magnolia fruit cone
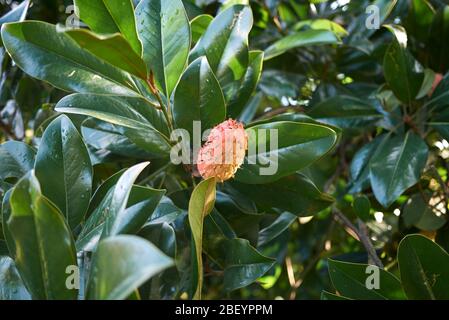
[224, 151]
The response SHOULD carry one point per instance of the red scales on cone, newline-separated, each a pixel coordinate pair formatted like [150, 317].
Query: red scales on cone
[224, 151]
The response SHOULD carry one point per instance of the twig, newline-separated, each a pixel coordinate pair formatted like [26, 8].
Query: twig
[362, 234]
[163, 108]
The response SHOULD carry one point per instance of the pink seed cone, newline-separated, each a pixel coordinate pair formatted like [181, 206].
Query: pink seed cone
[224, 151]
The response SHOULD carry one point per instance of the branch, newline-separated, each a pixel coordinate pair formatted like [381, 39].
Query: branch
[362, 234]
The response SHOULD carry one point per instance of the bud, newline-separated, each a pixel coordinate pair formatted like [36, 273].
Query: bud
[224, 151]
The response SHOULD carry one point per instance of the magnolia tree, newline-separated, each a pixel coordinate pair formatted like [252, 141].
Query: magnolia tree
[169, 149]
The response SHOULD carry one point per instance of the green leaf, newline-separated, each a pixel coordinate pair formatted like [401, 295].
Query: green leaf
[418, 212]
[198, 97]
[141, 204]
[108, 139]
[351, 279]
[296, 194]
[113, 49]
[162, 235]
[103, 190]
[282, 223]
[301, 39]
[11, 285]
[359, 30]
[397, 166]
[45, 247]
[6, 213]
[322, 24]
[362, 207]
[64, 170]
[438, 50]
[164, 29]
[419, 19]
[17, 14]
[114, 214]
[199, 25]
[121, 264]
[143, 124]
[46, 54]
[225, 44]
[424, 267]
[243, 264]
[229, 3]
[200, 205]
[401, 70]
[289, 147]
[110, 16]
[360, 165]
[346, 112]
[248, 86]
[17, 159]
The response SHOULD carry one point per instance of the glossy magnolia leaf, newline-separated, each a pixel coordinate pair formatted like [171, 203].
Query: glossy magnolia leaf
[43, 241]
[401, 71]
[278, 149]
[362, 207]
[301, 39]
[143, 124]
[424, 267]
[110, 215]
[199, 25]
[121, 264]
[141, 204]
[275, 229]
[419, 19]
[360, 31]
[419, 213]
[438, 51]
[108, 140]
[249, 112]
[164, 29]
[17, 158]
[243, 264]
[249, 84]
[229, 3]
[225, 44]
[322, 24]
[162, 235]
[11, 285]
[352, 281]
[17, 14]
[64, 169]
[103, 190]
[198, 97]
[200, 205]
[46, 54]
[346, 112]
[111, 48]
[5, 214]
[296, 194]
[360, 165]
[110, 16]
[165, 212]
[439, 99]
[397, 166]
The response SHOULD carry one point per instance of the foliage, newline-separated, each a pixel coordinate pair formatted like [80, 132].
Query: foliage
[87, 118]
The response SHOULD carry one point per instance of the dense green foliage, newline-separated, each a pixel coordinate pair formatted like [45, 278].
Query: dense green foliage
[356, 91]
